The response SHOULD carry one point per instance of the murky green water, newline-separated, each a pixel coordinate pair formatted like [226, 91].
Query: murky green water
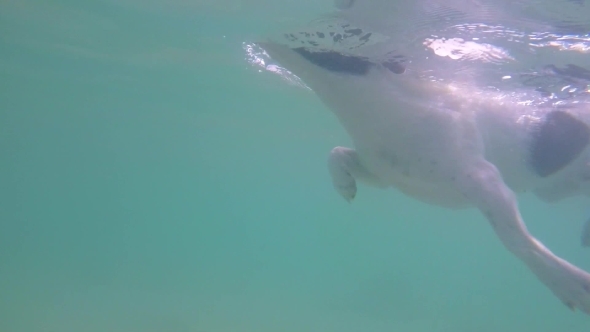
[152, 180]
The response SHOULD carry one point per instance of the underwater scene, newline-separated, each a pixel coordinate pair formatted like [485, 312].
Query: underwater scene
[295, 166]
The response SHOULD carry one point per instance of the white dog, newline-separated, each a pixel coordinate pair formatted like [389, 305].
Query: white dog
[446, 141]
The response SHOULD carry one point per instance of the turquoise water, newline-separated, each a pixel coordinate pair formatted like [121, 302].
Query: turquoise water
[153, 180]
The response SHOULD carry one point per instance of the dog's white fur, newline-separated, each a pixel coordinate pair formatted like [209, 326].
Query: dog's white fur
[449, 145]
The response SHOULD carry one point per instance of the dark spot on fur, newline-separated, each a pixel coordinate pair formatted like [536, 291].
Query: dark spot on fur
[337, 38]
[366, 37]
[571, 71]
[557, 142]
[354, 32]
[321, 34]
[336, 62]
[394, 66]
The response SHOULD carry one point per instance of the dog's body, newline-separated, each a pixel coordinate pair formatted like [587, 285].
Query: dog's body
[448, 142]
